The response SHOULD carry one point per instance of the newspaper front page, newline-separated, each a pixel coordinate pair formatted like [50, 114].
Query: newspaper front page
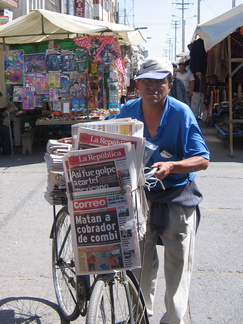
[101, 168]
[104, 231]
[88, 138]
[100, 182]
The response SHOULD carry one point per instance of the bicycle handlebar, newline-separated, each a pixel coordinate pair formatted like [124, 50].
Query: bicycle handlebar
[150, 173]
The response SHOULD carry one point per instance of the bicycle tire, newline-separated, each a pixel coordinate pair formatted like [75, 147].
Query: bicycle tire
[110, 298]
[65, 281]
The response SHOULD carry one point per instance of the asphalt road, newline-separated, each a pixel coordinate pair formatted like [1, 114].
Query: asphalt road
[25, 257]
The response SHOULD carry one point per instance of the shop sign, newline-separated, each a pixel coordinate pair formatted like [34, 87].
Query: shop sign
[80, 8]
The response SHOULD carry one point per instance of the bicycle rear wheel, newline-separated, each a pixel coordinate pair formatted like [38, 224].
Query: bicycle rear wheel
[116, 299]
[70, 290]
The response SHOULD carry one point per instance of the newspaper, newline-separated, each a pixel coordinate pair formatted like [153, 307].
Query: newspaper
[101, 168]
[88, 138]
[123, 126]
[55, 193]
[104, 182]
[104, 231]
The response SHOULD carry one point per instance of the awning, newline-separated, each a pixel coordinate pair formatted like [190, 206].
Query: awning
[43, 25]
[214, 31]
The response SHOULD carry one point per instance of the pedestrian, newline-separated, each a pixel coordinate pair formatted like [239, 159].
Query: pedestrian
[5, 132]
[173, 212]
[187, 78]
[178, 90]
[197, 102]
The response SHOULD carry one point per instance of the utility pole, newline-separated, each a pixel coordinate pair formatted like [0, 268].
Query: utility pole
[233, 3]
[169, 41]
[175, 25]
[183, 6]
[127, 12]
[198, 12]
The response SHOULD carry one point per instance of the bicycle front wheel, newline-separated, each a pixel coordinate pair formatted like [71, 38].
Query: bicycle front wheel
[63, 267]
[116, 299]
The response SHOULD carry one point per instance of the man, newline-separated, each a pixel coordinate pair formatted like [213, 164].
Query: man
[187, 78]
[171, 125]
[178, 90]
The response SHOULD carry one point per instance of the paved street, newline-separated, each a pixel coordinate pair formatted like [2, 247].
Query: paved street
[25, 258]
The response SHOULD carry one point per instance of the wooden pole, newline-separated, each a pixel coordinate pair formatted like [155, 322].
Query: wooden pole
[230, 101]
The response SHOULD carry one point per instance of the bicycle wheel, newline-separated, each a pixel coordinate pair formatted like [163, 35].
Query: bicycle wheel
[70, 290]
[115, 299]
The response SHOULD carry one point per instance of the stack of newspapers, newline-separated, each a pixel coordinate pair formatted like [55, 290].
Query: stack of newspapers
[56, 187]
[104, 183]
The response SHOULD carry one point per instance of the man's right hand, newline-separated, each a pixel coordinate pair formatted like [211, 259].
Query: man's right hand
[67, 140]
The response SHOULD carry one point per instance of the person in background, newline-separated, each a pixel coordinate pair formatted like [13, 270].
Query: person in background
[5, 132]
[178, 91]
[187, 78]
[197, 103]
[173, 212]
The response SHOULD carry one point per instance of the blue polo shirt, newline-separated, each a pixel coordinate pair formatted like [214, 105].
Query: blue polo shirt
[178, 137]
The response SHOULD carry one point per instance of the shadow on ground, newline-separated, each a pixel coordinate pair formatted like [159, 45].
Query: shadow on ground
[219, 145]
[18, 159]
[29, 310]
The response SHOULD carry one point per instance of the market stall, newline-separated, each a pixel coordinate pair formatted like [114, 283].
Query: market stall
[69, 68]
[221, 41]
[48, 25]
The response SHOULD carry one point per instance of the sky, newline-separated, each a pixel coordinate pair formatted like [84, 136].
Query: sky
[159, 17]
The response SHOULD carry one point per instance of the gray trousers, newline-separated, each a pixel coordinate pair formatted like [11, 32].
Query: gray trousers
[178, 239]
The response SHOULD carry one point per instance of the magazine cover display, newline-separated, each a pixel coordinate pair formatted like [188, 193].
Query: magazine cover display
[83, 78]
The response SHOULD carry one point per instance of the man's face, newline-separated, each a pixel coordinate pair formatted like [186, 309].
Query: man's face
[154, 91]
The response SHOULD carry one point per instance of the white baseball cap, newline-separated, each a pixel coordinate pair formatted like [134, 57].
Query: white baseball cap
[155, 68]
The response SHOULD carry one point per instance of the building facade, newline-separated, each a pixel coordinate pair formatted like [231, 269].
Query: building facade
[105, 10]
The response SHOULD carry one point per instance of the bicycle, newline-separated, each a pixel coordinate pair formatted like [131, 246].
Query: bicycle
[106, 298]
